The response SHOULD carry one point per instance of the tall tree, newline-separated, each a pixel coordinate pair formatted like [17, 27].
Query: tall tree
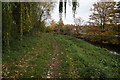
[102, 13]
[7, 23]
[52, 25]
[21, 21]
[19, 18]
[59, 25]
[78, 21]
[44, 9]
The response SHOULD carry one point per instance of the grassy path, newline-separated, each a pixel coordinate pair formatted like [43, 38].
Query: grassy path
[29, 59]
[54, 65]
[58, 56]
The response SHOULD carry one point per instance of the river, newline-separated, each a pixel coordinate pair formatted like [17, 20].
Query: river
[113, 48]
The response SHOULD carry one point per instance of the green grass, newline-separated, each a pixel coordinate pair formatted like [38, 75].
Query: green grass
[87, 61]
[28, 58]
[79, 59]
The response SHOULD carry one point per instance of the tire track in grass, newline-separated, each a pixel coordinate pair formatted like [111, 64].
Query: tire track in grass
[53, 70]
[72, 73]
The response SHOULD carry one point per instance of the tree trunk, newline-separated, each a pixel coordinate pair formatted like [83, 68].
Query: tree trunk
[21, 25]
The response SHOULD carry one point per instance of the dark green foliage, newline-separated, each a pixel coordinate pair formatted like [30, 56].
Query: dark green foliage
[19, 18]
[40, 26]
[7, 20]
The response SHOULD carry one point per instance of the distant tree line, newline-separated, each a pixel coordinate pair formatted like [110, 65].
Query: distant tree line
[103, 26]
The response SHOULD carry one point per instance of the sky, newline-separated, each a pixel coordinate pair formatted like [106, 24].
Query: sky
[82, 11]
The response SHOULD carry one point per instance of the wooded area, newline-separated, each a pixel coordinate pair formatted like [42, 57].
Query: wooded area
[33, 49]
[20, 19]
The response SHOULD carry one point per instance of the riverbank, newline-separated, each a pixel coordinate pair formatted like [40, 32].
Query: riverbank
[37, 56]
[112, 47]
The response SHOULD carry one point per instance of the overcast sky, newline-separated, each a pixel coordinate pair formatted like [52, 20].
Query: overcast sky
[83, 11]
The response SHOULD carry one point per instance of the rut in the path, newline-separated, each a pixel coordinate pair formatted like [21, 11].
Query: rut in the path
[54, 66]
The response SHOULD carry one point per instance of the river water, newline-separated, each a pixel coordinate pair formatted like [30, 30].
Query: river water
[115, 49]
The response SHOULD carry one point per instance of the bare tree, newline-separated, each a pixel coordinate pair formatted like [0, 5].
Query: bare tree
[78, 21]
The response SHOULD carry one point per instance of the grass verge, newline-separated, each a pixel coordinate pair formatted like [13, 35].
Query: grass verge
[79, 59]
